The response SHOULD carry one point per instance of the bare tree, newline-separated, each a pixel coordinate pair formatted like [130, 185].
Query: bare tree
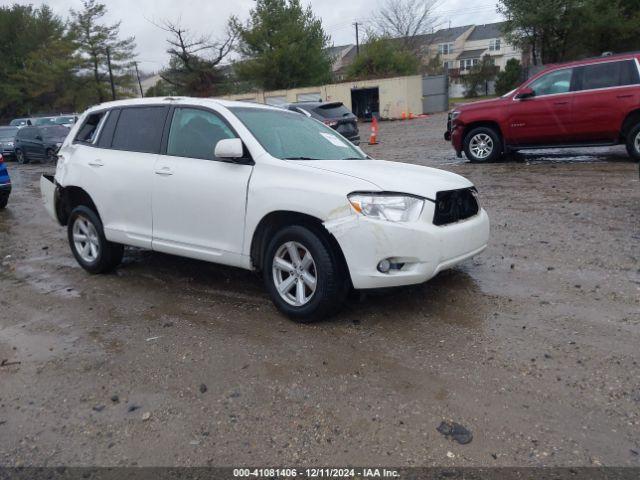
[194, 63]
[406, 19]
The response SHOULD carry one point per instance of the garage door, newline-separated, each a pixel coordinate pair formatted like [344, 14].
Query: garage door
[277, 101]
[309, 97]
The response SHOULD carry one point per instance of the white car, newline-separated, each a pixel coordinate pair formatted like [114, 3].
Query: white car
[259, 188]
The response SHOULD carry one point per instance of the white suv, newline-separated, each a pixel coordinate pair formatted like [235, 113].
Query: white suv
[259, 188]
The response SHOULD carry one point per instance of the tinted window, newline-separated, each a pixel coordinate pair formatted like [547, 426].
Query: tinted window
[106, 135]
[553, 82]
[55, 131]
[195, 133]
[45, 121]
[139, 129]
[332, 110]
[28, 133]
[288, 135]
[629, 73]
[89, 128]
[609, 74]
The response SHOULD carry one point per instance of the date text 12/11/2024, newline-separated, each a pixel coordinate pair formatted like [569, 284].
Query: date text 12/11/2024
[315, 473]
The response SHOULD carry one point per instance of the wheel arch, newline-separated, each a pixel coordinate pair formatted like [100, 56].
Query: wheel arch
[483, 123]
[68, 198]
[632, 119]
[274, 221]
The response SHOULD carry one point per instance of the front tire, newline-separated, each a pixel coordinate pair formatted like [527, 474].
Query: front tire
[304, 275]
[21, 158]
[633, 143]
[482, 145]
[88, 244]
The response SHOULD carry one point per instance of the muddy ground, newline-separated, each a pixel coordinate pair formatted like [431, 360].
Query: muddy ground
[533, 345]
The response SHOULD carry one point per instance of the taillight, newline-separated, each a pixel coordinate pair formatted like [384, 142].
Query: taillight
[1, 159]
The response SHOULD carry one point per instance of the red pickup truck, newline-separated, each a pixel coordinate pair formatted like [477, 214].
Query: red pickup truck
[593, 102]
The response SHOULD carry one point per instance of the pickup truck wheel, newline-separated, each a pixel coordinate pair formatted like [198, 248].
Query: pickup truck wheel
[633, 143]
[303, 275]
[21, 158]
[92, 250]
[482, 144]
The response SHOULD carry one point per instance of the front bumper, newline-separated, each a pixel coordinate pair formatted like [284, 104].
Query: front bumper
[423, 248]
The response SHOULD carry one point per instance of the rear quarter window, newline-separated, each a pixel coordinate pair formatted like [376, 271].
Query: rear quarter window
[88, 130]
[139, 129]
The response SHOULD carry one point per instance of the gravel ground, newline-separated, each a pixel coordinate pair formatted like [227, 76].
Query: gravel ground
[532, 346]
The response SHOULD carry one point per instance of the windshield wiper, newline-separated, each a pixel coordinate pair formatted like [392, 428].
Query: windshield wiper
[300, 158]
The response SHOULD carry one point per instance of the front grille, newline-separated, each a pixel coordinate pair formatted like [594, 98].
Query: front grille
[455, 205]
[449, 123]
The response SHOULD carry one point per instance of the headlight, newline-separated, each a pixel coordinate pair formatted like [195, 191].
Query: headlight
[9, 144]
[385, 206]
[454, 115]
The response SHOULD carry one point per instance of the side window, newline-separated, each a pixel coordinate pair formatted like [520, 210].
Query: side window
[106, 135]
[601, 75]
[88, 130]
[553, 82]
[139, 129]
[629, 74]
[195, 133]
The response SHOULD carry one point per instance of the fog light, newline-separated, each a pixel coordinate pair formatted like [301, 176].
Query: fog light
[384, 266]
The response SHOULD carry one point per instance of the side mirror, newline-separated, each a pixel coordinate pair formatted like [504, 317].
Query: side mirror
[230, 148]
[525, 93]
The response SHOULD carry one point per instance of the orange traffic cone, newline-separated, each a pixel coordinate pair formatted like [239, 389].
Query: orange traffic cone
[404, 115]
[411, 117]
[373, 139]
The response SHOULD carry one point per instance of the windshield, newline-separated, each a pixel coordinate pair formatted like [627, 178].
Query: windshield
[45, 121]
[62, 120]
[58, 132]
[18, 121]
[8, 133]
[290, 136]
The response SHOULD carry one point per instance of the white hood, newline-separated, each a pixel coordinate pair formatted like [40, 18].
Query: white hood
[394, 176]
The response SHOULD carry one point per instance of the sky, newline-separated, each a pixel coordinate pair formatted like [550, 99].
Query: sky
[210, 16]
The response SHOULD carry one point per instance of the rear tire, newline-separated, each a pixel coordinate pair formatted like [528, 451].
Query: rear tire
[88, 244]
[633, 143]
[3, 202]
[309, 281]
[21, 158]
[483, 145]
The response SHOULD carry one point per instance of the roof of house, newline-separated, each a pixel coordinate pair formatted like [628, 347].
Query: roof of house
[443, 35]
[477, 53]
[487, 31]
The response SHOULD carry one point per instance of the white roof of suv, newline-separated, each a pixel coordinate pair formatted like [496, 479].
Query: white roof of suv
[183, 100]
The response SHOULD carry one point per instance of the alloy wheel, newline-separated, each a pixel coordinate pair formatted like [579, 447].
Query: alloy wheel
[481, 145]
[294, 273]
[637, 142]
[20, 157]
[85, 239]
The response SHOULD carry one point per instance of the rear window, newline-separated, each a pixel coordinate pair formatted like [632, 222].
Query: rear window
[89, 128]
[332, 110]
[139, 129]
[28, 132]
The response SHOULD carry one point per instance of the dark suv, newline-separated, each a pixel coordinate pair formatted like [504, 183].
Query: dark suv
[333, 114]
[593, 102]
[39, 143]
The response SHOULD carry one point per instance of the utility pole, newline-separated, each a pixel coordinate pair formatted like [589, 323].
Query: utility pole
[139, 82]
[357, 39]
[113, 88]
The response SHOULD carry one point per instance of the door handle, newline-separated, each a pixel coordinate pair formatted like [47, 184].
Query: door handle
[164, 171]
[96, 163]
[560, 103]
[626, 96]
